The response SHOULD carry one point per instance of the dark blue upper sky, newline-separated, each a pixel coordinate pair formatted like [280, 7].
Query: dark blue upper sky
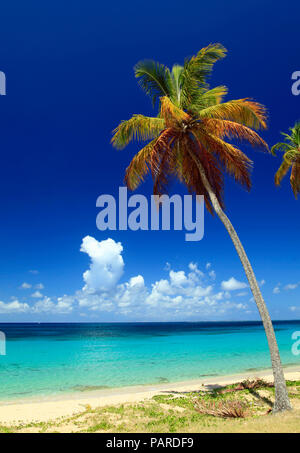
[70, 81]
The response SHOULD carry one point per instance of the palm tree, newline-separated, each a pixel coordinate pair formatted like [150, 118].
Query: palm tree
[291, 158]
[186, 140]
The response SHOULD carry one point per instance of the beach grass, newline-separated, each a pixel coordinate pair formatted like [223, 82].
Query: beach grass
[176, 412]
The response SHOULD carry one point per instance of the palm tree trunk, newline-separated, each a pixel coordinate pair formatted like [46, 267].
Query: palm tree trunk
[281, 395]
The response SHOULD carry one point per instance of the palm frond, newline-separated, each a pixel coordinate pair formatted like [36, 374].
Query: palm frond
[194, 184]
[171, 114]
[291, 158]
[161, 146]
[138, 167]
[196, 71]
[281, 146]
[163, 169]
[295, 135]
[194, 150]
[292, 155]
[177, 162]
[139, 127]
[287, 137]
[200, 66]
[235, 162]
[212, 97]
[154, 78]
[295, 179]
[177, 80]
[282, 171]
[232, 130]
[243, 111]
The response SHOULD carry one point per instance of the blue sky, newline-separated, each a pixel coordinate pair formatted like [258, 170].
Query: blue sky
[69, 82]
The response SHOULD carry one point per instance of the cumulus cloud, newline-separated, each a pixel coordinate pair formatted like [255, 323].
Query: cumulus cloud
[44, 305]
[63, 305]
[106, 266]
[294, 308]
[13, 307]
[212, 274]
[37, 294]
[39, 286]
[291, 286]
[178, 278]
[288, 287]
[232, 284]
[194, 268]
[181, 291]
[25, 285]
[131, 294]
[184, 293]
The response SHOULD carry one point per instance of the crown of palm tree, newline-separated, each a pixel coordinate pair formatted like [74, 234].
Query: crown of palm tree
[192, 122]
[291, 158]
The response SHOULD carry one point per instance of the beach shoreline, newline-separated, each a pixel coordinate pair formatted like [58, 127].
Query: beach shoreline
[49, 408]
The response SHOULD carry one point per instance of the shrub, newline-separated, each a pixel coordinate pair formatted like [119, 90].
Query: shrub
[253, 385]
[224, 409]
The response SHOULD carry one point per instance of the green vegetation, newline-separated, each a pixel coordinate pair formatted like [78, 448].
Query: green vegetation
[178, 412]
[291, 158]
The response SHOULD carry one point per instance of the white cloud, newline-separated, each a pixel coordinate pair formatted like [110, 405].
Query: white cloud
[182, 294]
[212, 274]
[106, 266]
[43, 306]
[232, 285]
[288, 287]
[178, 278]
[63, 305]
[37, 294]
[185, 293]
[193, 267]
[294, 308]
[131, 294]
[167, 266]
[13, 307]
[39, 286]
[34, 272]
[262, 282]
[291, 286]
[180, 291]
[25, 285]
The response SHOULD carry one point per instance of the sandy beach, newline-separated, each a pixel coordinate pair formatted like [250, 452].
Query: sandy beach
[51, 408]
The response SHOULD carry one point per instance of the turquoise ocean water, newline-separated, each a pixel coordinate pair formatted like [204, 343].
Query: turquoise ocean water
[49, 359]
